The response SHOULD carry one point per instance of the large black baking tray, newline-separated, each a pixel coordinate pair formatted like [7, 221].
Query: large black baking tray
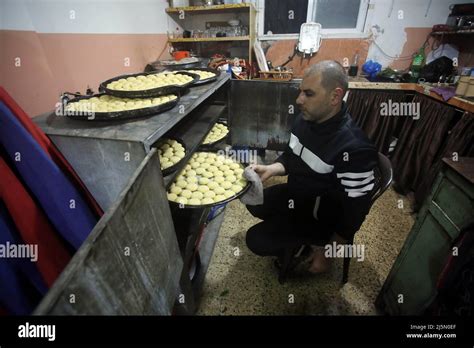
[149, 93]
[200, 82]
[227, 200]
[119, 115]
[174, 167]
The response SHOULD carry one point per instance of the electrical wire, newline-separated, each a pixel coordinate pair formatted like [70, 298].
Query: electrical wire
[371, 39]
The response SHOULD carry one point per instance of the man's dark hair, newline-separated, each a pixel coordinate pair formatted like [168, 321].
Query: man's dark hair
[332, 73]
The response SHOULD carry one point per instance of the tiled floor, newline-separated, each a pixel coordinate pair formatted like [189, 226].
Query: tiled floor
[241, 283]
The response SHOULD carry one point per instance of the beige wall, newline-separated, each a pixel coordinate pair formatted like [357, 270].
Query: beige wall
[54, 63]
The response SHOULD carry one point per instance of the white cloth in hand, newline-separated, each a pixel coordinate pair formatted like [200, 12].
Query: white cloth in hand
[254, 196]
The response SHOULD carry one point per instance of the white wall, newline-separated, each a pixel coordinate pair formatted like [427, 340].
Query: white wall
[87, 16]
[392, 35]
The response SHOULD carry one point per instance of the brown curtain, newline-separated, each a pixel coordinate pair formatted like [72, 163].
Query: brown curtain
[364, 107]
[419, 143]
[461, 141]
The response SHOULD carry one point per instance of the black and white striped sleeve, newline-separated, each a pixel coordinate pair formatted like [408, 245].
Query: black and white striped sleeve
[355, 179]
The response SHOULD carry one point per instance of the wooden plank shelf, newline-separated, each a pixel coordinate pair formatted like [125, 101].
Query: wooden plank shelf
[461, 103]
[210, 39]
[209, 9]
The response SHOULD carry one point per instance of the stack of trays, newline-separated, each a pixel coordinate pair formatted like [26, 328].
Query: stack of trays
[132, 96]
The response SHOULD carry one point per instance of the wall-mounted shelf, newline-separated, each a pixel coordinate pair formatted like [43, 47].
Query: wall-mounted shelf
[211, 9]
[210, 39]
[202, 18]
[457, 32]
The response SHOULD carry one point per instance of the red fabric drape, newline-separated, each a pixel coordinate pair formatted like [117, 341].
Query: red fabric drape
[32, 225]
[50, 149]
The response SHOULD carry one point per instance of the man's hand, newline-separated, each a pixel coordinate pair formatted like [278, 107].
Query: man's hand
[266, 172]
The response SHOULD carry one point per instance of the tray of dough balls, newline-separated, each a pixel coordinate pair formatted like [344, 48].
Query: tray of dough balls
[106, 108]
[146, 85]
[207, 180]
[172, 152]
[206, 75]
[218, 133]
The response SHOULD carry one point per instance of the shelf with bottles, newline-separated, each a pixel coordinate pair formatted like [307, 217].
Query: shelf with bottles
[454, 32]
[214, 29]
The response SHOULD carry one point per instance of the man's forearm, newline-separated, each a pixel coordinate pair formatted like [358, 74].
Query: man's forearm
[277, 169]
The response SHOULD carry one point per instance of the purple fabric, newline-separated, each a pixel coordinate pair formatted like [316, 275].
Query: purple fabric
[445, 92]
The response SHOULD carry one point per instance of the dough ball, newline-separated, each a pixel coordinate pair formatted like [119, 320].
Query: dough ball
[219, 190]
[229, 193]
[242, 182]
[203, 189]
[172, 197]
[219, 198]
[228, 172]
[227, 185]
[207, 174]
[190, 173]
[212, 169]
[224, 168]
[180, 154]
[186, 194]
[218, 173]
[236, 188]
[207, 201]
[194, 201]
[192, 187]
[238, 172]
[219, 179]
[200, 171]
[197, 195]
[205, 181]
[231, 178]
[234, 166]
[209, 194]
[181, 183]
[192, 180]
[201, 159]
[176, 190]
[175, 159]
[167, 165]
[182, 200]
[213, 185]
[206, 166]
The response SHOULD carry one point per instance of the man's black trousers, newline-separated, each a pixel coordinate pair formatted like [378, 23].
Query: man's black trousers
[288, 221]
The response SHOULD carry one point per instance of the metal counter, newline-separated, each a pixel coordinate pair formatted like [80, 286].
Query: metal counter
[260, 113]
[105, 155]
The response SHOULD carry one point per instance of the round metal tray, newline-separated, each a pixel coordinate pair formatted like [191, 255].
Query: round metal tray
[162, 64]
[200, 82]
[209, 145]
[148, 93]
[119, 115]
[227, 200]
[172, 169]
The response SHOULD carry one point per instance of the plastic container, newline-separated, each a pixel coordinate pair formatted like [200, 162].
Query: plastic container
[470, 88]
[178, 55]
[463, 84]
